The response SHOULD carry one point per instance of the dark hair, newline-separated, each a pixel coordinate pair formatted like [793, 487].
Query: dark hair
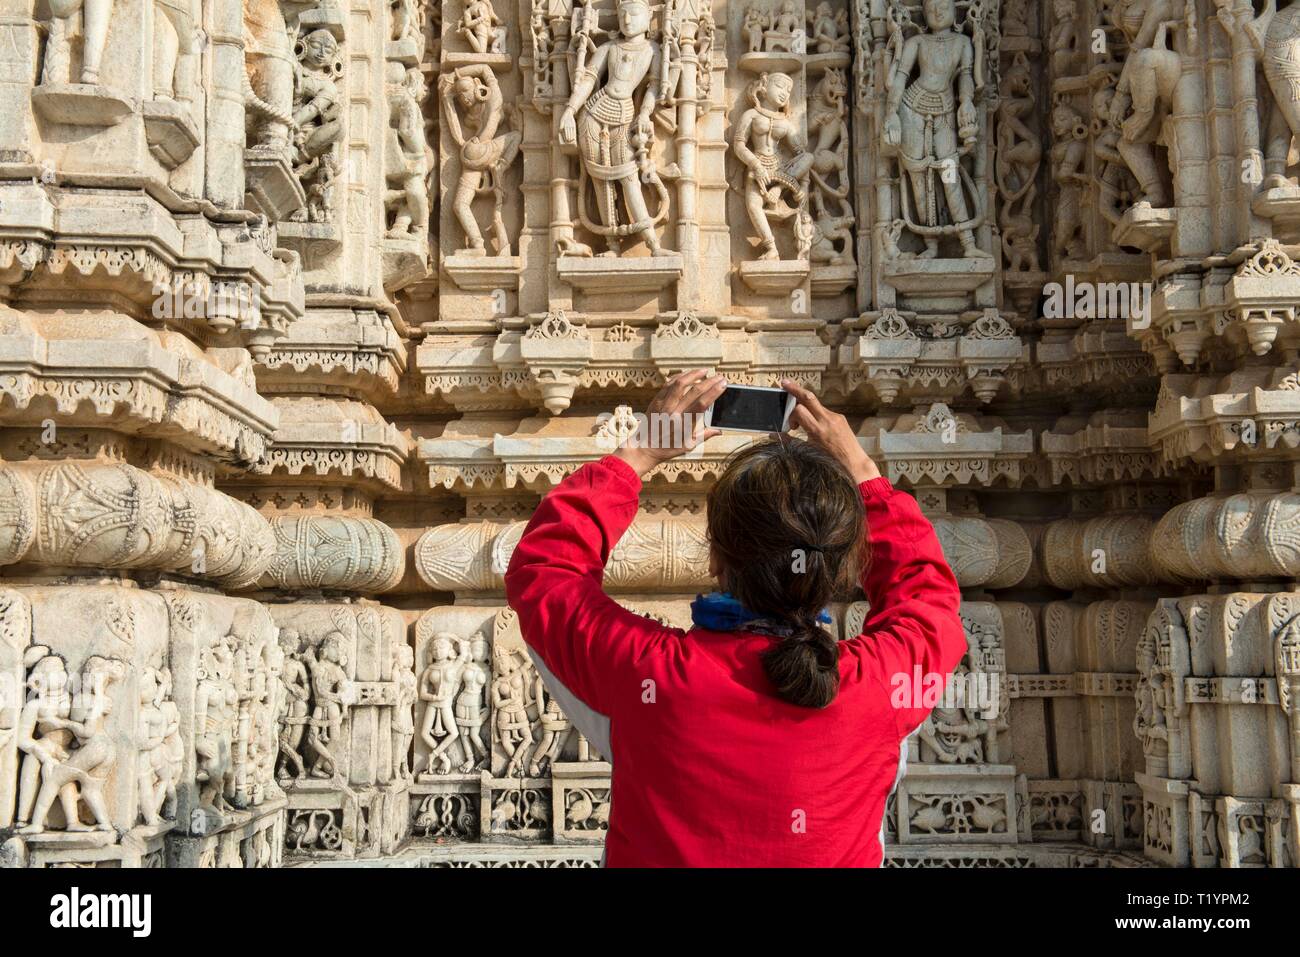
[786, 522]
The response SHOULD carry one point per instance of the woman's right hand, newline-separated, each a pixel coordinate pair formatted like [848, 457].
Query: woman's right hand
[831, 431]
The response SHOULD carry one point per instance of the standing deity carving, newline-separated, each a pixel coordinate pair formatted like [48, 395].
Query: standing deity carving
[471, 710]
[511, 698]
[403, 728]
[439, 682]
[329, 683]
[215, 723]
[160, 747]
[294, 706]
[614, 134]
[932, 124]
[1068, 155]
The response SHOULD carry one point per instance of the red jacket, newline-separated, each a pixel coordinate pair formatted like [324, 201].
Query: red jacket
[710, 767]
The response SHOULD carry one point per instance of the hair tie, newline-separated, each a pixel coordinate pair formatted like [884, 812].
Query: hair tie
[812, 548]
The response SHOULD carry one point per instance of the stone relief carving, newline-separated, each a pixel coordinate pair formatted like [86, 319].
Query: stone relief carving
[318, 123]
[268, 94]
[776, 189]
[1146, 87]
[176, 49]
[611, 125]
[240, 388]
[475, 110]
[482, 28]
[935, 73]
[832, 213]
[67, 748]
[409, 158]
[92, 18]
[1019, 151]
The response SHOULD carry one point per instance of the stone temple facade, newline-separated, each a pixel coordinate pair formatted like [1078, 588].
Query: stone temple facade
[305, 303]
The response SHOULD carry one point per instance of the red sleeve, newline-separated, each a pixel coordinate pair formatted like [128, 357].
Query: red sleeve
[587, 640]
[913, 621]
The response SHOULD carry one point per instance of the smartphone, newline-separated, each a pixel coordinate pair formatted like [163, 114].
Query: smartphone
[743, 408]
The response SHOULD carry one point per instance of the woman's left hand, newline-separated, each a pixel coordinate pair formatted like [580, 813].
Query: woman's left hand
[674, 423]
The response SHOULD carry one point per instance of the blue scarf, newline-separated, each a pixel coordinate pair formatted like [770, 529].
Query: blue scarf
[720, 611]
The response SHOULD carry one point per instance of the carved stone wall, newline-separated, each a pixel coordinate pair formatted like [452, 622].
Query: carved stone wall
[304, 305]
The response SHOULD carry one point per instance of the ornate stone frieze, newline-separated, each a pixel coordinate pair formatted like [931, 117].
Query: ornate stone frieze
[106, 515]
[1110, 447]
[904, 354]
[108, 368]
[333, 553]
[336, 350]
[1247, 414]
[344, 438]
[935, 446]
[345, 728]
[1040, 253]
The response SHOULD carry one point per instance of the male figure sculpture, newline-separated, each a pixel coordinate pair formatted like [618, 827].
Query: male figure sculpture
[470, 709]
[294, 706]
[612, 136]
[924, 123]
[478, 25]
[328, 687]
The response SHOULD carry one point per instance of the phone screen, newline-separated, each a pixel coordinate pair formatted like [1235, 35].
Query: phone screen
[744, 407]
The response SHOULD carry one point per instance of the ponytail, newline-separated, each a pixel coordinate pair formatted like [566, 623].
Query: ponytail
[805, 666]
[786, 524]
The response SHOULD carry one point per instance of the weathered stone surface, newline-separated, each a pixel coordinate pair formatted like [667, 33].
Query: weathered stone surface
[298, 322]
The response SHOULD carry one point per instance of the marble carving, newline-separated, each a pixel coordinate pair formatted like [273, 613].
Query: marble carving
[303, 307]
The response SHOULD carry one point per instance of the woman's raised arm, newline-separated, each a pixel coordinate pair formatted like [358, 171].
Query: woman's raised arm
[554, 582]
